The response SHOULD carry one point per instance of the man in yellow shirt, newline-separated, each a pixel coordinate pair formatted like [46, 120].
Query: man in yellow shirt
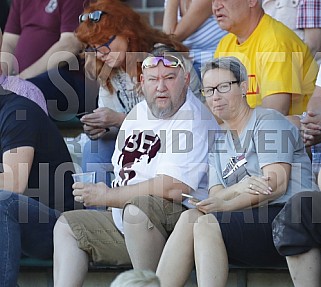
[280, 66]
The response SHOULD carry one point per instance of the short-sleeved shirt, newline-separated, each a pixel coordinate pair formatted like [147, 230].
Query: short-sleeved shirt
[267, 138]
[24, 124]
[25, 89]
[277, 61]
[177, 147]
[39, 24]
[309, 14]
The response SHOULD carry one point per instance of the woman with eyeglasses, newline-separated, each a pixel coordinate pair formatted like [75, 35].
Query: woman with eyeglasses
[255, 166]
[116, 40]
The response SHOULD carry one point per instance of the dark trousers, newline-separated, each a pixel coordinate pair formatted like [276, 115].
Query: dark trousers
[247, 235]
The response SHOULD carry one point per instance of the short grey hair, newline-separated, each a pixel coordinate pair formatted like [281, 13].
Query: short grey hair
[231, 64]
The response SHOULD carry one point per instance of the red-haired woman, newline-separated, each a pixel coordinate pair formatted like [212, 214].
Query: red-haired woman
[119, 39]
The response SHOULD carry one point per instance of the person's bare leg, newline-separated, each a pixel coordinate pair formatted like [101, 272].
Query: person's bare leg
[210, 254]
[70, 262]
[144, 241]
[177, 259]
[305, 269]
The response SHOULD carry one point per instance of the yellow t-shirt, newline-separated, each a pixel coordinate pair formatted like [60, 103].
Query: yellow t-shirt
[277, 61]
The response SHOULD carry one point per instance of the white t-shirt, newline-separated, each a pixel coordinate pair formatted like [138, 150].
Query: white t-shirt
[176, 147]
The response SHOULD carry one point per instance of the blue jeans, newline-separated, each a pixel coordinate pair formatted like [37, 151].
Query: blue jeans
[26, 228]
[97, 157]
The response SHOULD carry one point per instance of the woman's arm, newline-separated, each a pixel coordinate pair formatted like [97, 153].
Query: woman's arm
[248, 193]
[196, 14]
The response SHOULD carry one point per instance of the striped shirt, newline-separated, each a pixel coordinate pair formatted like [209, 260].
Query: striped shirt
[203, 42]
[309, 14]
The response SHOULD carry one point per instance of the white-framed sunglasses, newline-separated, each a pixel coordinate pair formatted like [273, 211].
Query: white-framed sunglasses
[169, 61]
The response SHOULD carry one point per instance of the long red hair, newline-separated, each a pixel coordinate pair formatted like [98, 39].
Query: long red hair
[121, 20]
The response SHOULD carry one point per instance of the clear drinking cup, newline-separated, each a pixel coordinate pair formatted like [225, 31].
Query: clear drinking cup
[87, 177]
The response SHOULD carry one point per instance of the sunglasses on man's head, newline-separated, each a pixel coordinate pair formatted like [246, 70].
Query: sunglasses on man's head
[93, 16]
[168, 61]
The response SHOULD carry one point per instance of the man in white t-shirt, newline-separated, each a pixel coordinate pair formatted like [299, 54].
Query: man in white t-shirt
[161, 152]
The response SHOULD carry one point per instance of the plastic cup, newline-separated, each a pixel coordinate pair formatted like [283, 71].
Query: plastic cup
[89, 177]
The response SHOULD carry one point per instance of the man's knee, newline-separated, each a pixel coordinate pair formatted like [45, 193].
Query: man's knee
[134, 215]
[10, 206]
[7, 198]
[5, 194]
[61, 226]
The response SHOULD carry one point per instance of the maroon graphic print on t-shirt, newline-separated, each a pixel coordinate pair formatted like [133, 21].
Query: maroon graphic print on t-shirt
[137, 146]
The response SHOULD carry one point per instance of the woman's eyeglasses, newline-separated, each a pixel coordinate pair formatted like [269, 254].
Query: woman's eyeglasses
[93, 16]
[98, 49]
[168, 61]
[221, 88]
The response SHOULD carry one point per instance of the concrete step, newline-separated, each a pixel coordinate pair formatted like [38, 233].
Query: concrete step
[237, 278]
